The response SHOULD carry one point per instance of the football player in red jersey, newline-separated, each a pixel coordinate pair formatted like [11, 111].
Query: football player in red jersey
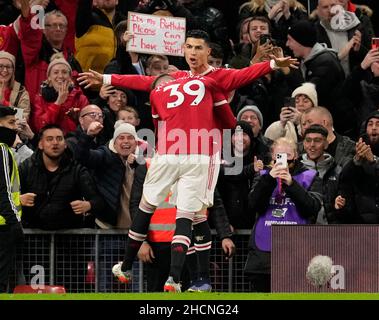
[191, 112]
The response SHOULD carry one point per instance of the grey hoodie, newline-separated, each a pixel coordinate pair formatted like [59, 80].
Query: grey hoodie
[321, 167]
[317, 49]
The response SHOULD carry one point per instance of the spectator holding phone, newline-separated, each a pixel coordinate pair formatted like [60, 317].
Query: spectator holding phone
[282, 194]
[303, 98]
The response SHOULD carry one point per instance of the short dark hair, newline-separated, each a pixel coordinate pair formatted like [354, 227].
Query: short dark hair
[199, 34]
[216, 51]
[154, 84]
[316, 128]
[48, 127]
[7, 111]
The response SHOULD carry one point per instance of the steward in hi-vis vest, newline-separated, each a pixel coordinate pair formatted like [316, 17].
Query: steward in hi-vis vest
[11, 234]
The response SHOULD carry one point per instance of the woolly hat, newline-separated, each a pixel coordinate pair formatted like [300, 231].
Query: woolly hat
[304, 33]
[251, 108]
[374, 114]
[55, 59]
[246, 128]
[10, 57]
[120, 128]
[308, 89]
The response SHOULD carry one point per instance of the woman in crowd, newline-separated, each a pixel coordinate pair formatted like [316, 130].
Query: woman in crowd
[59, 102]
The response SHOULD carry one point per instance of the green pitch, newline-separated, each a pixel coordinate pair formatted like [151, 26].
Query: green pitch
[193, 296]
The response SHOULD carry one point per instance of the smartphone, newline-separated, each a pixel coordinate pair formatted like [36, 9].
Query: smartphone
[20, 113]
[264, 38]
[289, 102]
[375, 43]
[281, 158]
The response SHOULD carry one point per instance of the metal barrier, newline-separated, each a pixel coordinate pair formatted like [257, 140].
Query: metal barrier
[81, 260]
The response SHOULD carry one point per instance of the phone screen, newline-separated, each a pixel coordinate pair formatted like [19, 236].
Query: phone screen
[375, 43]
[289, 102]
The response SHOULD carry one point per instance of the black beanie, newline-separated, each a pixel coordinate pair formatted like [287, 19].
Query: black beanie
[374, 114]
[246, 128]
[304, 33]
[7, 111]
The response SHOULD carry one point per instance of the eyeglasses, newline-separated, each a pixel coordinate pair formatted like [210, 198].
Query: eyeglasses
[93, 115]
[56, 26]
[6, 67]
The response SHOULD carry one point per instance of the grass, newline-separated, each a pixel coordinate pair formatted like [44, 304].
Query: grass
[193, 296]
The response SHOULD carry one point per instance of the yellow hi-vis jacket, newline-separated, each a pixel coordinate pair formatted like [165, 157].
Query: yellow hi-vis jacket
[12, 185]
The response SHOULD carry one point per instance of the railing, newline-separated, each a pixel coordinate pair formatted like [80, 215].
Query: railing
[82, 259]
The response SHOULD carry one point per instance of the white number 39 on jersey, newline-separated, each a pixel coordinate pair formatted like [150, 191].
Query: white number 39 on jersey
[199, 93]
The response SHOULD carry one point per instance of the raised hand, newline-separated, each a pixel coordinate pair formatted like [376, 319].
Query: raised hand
[258, 164]
[285, 62]
[62, 93]
[106, 91]
[90, 79]
[339, 202]
[371, 57]
[94, 128]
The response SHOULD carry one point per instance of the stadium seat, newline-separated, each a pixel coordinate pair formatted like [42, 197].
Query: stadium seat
[45, 289]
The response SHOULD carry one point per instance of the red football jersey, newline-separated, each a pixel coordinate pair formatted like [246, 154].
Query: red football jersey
[189, 114]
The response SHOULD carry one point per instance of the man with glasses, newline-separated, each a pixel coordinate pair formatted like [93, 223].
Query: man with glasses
[89, 114]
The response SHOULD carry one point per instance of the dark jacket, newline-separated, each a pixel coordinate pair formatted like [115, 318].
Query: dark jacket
[109, 175]
[359, 185]
[52, 209]
[329, 173]
[308, 204]
[217, 213]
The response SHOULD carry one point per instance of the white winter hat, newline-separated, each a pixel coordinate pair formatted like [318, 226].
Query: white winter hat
[308, 89]
[120, 128]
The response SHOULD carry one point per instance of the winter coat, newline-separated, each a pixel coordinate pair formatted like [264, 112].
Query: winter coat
[46, 112]
[52, 209]
[359, 185]
[329, 173]
[109, 175]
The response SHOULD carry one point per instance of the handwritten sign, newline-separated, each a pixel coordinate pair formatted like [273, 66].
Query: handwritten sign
[156, 34]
